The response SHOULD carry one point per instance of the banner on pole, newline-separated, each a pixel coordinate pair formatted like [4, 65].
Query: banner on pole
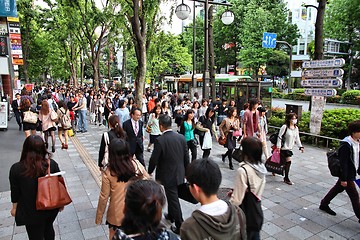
[8, 8]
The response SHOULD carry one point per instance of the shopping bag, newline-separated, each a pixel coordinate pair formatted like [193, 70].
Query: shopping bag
[207, 142]
[70, 132]
[275, 157]
[185, 194]
[274, 167]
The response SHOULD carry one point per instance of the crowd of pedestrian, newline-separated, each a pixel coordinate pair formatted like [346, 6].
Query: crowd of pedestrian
[134, 200]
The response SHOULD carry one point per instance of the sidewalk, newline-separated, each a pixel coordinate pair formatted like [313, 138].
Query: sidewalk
[291, 212]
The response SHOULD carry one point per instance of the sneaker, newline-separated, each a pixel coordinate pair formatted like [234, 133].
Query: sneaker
[327, 209]
[84, 131]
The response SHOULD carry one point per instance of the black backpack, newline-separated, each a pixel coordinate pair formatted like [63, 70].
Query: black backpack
[334, 162]
[274, 137]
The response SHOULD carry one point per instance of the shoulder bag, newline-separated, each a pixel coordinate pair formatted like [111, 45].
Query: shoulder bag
[30, 117]
[51, 192]
[251, 205]
[105, 160]
[53, 116]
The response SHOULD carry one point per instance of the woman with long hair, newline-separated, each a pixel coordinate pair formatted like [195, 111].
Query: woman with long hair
[207, 124]
[28, 128]
[108, 109]
[230, 124]
[153, 123]
[48, 125]
[116, 131]
[120, 170]
[187, 128]
[165, 108]
[144, 201]
[195, 108]
[251, 119]
[252, 171]
[288, 136]
[23, 177]
[63, 111]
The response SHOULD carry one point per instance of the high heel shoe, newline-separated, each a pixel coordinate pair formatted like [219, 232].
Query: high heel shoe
[66, 146]
[62, 145]
[53, 149]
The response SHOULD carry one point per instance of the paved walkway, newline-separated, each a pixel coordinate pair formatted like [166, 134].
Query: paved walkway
[291, 212]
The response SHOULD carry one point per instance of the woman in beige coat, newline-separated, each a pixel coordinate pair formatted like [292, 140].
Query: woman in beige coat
[227, 128]
[121, 169]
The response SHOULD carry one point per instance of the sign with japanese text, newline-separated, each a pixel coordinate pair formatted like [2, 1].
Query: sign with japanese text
[8, 8]
[323, 73]
[329, 63]
[321, 83]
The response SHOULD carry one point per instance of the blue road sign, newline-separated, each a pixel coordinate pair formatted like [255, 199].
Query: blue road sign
[269, 40]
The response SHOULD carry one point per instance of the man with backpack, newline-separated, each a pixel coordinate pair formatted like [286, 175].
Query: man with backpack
[348, 154]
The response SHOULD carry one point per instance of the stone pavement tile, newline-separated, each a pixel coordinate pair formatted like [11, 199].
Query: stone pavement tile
[280, 210]
[81, 199]
[311, 199]
[291, 206]
[295, 218]
[19, 229]
[327, 234]
[87, 223]
[289, 196]
[7, 221]
[299, 232]
[66, 217]
[6, 238]
[6, 206]
[347, 228]
[6, 231]
[314, 237]
[83, 206]
[270, 215]
[20, 236]
[268, 238]
[356, 237]
[93, 232]
[285, 235]
[311, 226]
[278, 199]
[323, 220]
[76, 235]
[89, 213]
[283, 223]
[69, 227]
[267, 203]
[271, 228]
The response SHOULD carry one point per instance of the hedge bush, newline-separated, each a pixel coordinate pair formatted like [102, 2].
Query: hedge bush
[334, 122]
[343, 96]
[350, 97]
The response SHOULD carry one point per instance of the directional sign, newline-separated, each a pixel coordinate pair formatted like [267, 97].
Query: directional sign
[324, 63]
[320, 92]
[321, 83]
[323, 73]
[269, 40]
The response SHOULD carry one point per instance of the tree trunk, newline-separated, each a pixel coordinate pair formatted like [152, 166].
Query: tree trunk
[319, 28]
[140, 49]
[95, 67]
[211, 53]
[123, 68]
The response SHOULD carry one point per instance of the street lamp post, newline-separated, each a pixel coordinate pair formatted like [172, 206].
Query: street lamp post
[182, 11]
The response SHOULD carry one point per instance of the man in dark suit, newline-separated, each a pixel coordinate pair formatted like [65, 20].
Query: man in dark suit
[16, 109]
[170, 158]
[134, 134]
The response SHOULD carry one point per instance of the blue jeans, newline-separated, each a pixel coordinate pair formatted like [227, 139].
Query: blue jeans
[82, 124]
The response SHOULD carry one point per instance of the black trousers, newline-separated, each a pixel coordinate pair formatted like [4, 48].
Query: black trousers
[139, 153]
[18, 118]
[174, 208]
[351, 192]
[193, 149]
[44, 230]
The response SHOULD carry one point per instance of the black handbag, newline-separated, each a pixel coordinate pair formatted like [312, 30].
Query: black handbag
[237, 155]
[251, 205]
[185, 194]
[274, 167]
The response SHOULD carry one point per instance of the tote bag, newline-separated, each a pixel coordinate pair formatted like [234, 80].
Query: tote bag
[207, 142]
[51, 193]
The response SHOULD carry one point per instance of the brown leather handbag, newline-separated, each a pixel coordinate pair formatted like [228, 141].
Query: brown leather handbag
[222, 141]
[51, 192]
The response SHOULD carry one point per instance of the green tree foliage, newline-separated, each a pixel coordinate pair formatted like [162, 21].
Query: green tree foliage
[252, 19]
[167, 56]
[278, 63]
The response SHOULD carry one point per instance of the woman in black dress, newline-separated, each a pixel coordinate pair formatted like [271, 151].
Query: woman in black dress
[23, 185]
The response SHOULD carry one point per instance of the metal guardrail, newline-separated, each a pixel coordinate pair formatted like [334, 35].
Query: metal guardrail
[316, 137]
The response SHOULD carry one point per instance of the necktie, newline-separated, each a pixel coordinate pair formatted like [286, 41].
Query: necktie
[136, 128]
